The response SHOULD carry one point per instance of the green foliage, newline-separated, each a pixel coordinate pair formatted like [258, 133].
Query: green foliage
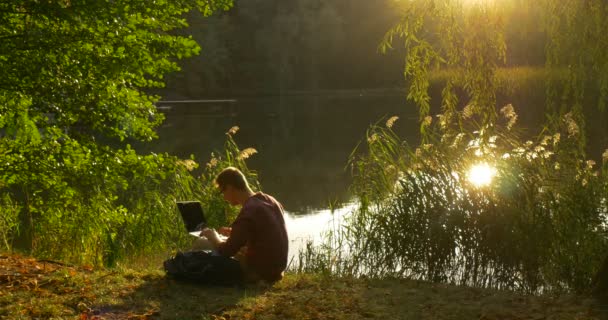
[83, 64]
[274, 45]
[110, 208]
[75, 75]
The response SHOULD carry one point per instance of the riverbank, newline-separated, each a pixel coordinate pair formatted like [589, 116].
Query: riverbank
[31, 288]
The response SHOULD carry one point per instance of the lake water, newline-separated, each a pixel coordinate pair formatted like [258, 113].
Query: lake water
[303, 142]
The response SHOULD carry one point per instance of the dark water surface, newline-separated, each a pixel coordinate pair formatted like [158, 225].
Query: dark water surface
[303, 142]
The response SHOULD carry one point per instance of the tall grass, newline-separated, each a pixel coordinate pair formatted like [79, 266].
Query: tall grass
[129, 212]
[539, 226]
[9, 220]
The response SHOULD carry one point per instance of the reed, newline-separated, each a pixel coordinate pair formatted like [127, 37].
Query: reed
[539, 226]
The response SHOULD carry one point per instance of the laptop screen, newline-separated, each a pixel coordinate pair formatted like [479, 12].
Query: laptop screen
[192, 214]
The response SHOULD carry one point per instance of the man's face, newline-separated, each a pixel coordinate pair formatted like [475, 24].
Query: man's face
[229, 193]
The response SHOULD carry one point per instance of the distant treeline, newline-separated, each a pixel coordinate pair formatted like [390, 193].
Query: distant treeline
[273, 46]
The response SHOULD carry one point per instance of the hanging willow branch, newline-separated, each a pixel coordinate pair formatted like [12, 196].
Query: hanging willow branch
[466, 41]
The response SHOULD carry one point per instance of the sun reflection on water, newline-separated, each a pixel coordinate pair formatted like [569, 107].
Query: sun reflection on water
[481, 174]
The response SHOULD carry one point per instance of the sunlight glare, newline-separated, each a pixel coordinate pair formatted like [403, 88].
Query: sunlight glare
[481, 174]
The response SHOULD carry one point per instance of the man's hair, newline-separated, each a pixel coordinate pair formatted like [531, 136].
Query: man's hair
[231, 176]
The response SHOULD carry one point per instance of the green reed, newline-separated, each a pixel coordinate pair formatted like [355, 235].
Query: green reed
[539, 226]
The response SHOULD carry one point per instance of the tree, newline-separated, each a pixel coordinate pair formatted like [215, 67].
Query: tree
[73, 91]
[277, 46]
[541, 224]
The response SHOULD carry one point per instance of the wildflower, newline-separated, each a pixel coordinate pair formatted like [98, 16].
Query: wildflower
[545, 140]
[509, 113]
[605, 156]
[531, 156]
[506, 156]
[246, 153]
[442, 120]
[556, 138]
[473, 143]
[573, 129]
[427, 121]
[468, 111]
[390, 122]
[232, 131]
[373, 138]
[188, 164]
[590, 164]
[213, 162]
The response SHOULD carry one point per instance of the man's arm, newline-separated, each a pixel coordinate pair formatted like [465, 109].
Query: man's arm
[241, 232]
[224, 231]
[213, 237]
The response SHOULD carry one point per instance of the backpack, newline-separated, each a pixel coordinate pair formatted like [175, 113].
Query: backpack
[204, 267]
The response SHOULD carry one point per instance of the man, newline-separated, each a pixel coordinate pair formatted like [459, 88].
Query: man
[258, 231]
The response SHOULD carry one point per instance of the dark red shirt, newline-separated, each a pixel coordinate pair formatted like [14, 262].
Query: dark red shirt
[261, 227]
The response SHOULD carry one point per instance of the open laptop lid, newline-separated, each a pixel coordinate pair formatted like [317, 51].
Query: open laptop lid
[192, 215]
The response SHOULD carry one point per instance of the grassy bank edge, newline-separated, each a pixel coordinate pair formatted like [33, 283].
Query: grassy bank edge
[31, 288]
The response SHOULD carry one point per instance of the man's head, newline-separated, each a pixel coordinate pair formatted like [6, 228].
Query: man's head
[233, 185]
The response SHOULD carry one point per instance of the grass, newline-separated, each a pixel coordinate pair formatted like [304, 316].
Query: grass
[31, 288]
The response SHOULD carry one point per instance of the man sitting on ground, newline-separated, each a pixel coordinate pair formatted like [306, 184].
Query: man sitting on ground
[259, 229]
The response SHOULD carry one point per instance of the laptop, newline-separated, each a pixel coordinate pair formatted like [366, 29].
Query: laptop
[193, 216]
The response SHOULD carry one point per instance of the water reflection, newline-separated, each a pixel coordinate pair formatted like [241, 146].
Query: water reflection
[312, 227]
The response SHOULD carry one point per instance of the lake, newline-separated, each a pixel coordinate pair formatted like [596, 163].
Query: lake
[303, 142]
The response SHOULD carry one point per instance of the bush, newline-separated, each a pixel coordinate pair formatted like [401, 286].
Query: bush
[100, 209]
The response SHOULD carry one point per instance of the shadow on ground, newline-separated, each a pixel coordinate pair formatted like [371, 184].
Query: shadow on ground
[158, 297]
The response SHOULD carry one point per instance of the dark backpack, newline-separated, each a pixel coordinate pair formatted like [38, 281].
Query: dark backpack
[205, 268]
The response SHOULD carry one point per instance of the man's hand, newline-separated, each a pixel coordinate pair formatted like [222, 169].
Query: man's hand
[212, 236]
[225, 231]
